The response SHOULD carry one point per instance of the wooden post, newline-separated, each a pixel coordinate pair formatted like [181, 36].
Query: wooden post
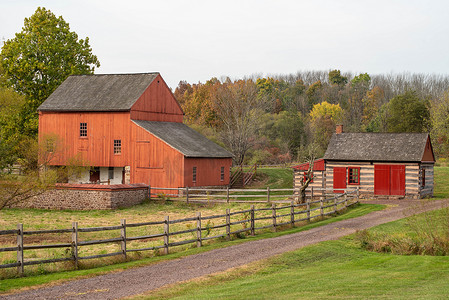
[227, 194]
[358, 193]
[308, 210]
[123, 236]
[228, 224]
[292, 213]
[20, 248]
[166, 232]
[199, 241]
[149, 192]
[75, 243]
[346, 200]
[252, 220]
[187, 194]
[311, 192]
[268, 194]
[273, 208]
[335, 204]
[321, 208]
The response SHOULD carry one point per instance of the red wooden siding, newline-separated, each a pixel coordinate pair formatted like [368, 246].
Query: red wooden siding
[389, 180]
[339, 179]
[208, 171]
[428, 152]
[318, 165]
[97, 149]
[157, 103]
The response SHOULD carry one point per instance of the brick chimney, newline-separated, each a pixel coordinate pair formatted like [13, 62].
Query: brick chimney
[339, 129]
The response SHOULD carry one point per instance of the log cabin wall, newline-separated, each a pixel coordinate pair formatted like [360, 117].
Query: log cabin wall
[208, 171]
[97, 148]
[318, 183]
[426, 179]
[157, 103]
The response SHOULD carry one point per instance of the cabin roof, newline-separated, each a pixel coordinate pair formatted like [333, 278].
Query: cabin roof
[100, 92]
[184, 139]
[400, 147]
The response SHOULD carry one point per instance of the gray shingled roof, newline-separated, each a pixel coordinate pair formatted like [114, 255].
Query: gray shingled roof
[377, 147]
[108, 92]
[184, 139]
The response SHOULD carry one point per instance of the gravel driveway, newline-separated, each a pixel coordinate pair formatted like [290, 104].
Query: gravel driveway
[143, 279]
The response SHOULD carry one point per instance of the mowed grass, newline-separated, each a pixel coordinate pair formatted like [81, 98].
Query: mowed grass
[441, 179]
[329, 270]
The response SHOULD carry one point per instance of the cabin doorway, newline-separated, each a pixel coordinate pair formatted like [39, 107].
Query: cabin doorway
[94, 174]
[339, 179]
[389, 180]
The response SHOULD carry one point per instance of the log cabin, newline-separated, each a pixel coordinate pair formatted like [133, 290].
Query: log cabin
[393, 165]
[128, 128]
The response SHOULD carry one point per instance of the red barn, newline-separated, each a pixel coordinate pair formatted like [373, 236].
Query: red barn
[129, 128]
[379, 164]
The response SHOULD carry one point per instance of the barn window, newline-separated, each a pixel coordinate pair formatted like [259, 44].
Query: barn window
[83, 129]
[354, 175]
[111, 173]
[117, 146]
[50, 145]
[194, 174]
[222, 174]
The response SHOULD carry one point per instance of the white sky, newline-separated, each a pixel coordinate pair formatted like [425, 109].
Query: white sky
[195, 40]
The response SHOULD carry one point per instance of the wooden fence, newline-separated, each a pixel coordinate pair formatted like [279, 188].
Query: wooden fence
[247, 222]
[226, 194]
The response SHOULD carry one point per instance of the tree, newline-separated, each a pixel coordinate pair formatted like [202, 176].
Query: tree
[439, 113]
[323, 119]
[407, 113]
[238, 109]
[335, 78]
[39, 58]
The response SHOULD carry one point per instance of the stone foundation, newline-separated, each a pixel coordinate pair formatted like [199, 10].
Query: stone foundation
[89, 196]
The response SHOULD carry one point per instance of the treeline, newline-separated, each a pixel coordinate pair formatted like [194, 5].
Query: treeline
[286, 118]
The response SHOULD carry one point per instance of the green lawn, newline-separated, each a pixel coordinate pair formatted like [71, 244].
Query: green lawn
[329, 270]
[441, 182]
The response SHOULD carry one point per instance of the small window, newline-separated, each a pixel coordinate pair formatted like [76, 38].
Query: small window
[354, 175]
[222, 174]
[83, 129]
[194, 174]
[50, 145]
[111, 173]
[117, 146]
[423, 177]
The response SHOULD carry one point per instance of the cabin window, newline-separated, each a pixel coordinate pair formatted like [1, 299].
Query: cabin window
[83, 129]
[194, 174]
[111, 173]
[117, 146]
[50, 145]
[222, 174]
[423, 177]
[354, 175]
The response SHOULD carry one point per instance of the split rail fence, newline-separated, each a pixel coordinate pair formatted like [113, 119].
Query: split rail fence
[235, 223]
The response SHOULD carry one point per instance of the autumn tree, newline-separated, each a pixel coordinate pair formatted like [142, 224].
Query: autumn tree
[408, 113]
[439, 114]
[335, 78]
[238, 109]
[39, 58]
[323, 119]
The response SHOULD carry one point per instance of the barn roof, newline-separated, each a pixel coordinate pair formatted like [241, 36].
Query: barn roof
[184, 139]
[107, 92]
[402, 147]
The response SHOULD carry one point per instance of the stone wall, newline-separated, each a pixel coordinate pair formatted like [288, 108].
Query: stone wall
[89, 196]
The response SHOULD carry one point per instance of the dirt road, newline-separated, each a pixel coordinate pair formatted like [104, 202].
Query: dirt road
[143, 279]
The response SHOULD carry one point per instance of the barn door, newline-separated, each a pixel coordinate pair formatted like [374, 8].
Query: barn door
[389, 180]
[339, 179]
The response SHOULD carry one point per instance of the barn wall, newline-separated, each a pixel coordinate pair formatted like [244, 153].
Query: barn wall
[97, 149]
[155, 163]
[208, 171]
[157, 103]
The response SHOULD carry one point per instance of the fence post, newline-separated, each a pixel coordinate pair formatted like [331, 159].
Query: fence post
[273, 208]
[228, 224]
[335, 204]
[346, 200]
[123, 236]
[75, 243]
[358, 193]
[149, 192]
[166, 232]
[311, 192]
[292, 213]
[20, 248]
[268, 194]
[227, 194]
[321, 207]
[252, 220]
[187, 194]
[199, 241]
[308, 210]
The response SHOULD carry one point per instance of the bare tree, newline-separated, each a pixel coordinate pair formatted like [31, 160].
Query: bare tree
[238, 107]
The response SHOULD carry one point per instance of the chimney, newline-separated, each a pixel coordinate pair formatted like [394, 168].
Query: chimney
[339, 129]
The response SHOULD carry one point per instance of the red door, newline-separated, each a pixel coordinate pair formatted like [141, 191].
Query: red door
[389, 180]
[339, 179]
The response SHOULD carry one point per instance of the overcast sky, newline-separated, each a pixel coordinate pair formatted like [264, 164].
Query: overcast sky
[196, 40]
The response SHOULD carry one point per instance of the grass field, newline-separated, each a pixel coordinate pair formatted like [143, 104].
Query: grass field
[329, 270]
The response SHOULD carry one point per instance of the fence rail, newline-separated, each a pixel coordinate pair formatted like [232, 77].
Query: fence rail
[245, 223]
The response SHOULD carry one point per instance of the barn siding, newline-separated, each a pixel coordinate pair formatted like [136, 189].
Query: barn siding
[208, 171]
[157, 103]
